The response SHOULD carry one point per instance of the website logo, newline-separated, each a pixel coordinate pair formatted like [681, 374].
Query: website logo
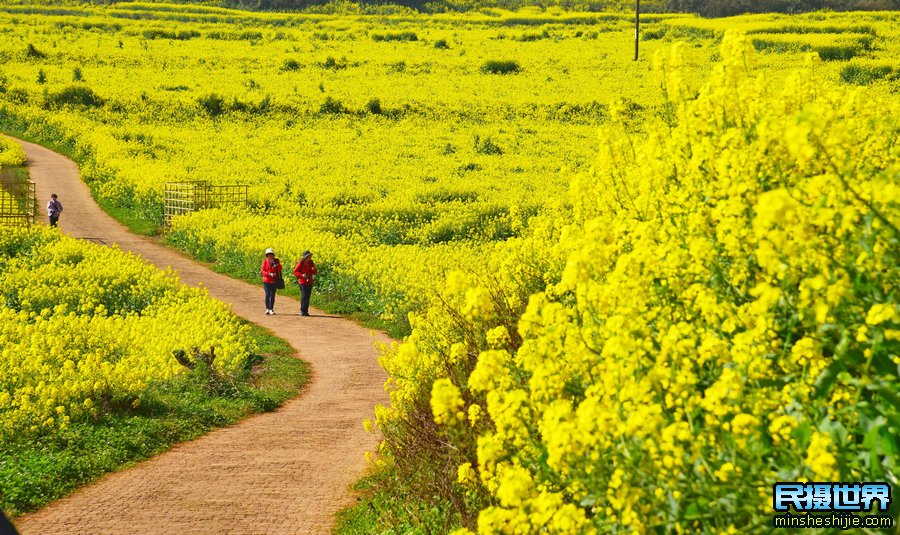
[831, 505]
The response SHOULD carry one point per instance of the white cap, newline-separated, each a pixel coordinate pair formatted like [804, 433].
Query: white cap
[270, 251]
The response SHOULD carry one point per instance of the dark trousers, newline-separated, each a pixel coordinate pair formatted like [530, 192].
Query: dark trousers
[305, 293]
[53, 220]
[270, 295]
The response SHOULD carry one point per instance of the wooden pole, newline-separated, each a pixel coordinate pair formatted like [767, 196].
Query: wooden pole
[637, 28]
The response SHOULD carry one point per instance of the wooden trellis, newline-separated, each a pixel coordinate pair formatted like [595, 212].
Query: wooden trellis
[186, 197]
[18, 203]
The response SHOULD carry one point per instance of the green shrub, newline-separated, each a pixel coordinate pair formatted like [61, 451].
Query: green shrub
[529, 37]
[441, 44]
[32, 52]
[651, 35]
[447, 196]
[778, 47]
[213, 104]
[74, 95]
[333, 64]
[487, 146]
[398, 36]
[374, 106]
[17, 95]
[235, 36]
[468, 168]
[864, 74]
[182, 35]
[77, 76]
[291, 64]
[250, 36]
[332, 106]
[837, 52]
[494, 66]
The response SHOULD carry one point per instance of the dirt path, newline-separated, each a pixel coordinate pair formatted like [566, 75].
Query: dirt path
[287, 471]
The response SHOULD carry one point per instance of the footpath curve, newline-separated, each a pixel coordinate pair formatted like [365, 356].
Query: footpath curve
[288, 471]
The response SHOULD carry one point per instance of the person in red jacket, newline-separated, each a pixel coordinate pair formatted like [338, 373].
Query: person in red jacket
[304, 271]
[270, 270]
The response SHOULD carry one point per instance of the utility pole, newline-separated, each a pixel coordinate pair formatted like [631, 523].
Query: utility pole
[637, 28]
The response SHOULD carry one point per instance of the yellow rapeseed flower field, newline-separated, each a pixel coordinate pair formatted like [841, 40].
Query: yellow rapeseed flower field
[640, 330]
[365, 136]
[722, 314]
[83, 326]
[10, 153]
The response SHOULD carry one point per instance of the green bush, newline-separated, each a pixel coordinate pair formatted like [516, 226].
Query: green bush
[494, 66]
[398, 36]
[864, 74]
[333, 64]
[213, 104]
[487, 146]
[374, 106]
[651, 35]
[74, 95]
[837, 52]
[332, 106]
[447, 196]
[291, 64]
[32, 52]
[529, 37]
[182, 35]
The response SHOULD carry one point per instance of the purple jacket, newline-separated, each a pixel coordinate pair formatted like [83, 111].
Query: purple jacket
[54, 207]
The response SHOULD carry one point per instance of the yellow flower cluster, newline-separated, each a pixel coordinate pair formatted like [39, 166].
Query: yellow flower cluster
[724, 314]
[11, 154]
[83, 326]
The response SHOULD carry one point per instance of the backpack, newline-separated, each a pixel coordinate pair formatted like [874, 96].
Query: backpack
[279, 280]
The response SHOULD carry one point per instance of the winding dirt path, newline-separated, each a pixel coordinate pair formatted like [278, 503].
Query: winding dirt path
[286, 471]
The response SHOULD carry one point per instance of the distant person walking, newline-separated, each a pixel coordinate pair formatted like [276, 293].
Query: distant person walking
[304, 271]
[54, 208]
[271, 275]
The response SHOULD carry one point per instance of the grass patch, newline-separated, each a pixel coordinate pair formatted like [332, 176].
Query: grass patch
[366, 319]
[15, 174]
[384, 506]
[36, 471]
[837, 52]
[128, 216]
[865, 74]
